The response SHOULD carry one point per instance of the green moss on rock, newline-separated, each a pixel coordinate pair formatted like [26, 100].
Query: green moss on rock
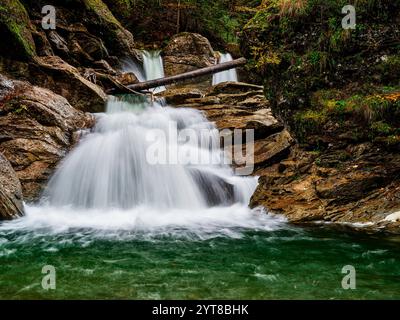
[322, 80]
[101, 21]
[15, 30]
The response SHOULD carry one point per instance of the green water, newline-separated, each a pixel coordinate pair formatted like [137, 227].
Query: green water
[287, 263]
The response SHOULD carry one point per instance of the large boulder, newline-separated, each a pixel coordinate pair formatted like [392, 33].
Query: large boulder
[186, 52]
[91, 15]
[11, 205]
[57, 75]
[79, 86]
[101, 22]
[37, 128]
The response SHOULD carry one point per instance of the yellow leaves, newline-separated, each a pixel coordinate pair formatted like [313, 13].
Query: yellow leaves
[292, 7]
[264, 56]
[244, 9]
[268, 58]
[392, 97]
[330, 104]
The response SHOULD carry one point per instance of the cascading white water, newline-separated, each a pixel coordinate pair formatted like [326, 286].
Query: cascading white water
[130, 66]
[153, 65]
[153, 68]
[109, 169]
[228, 75]
[108, 184]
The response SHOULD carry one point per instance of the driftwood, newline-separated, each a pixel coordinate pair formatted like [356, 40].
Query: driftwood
[180, 77]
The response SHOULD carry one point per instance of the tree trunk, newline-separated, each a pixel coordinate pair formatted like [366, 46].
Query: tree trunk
[181, 77]
[178, 19]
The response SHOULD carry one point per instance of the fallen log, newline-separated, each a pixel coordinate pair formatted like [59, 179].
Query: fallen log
[181, 77]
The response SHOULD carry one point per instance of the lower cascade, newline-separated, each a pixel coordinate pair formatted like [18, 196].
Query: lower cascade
[109, 168]
[108, 183]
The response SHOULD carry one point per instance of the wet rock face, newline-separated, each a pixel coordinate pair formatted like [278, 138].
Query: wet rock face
[11, 205]
[36, 130]
[187, 52]
[77, 60]
[215, 190]
[67, 81]
[308, 186]
[236, 105]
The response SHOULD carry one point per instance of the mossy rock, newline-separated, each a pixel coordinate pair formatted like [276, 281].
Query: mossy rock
[101, 22]
[120, 8]
[15, 31]
[300, 48]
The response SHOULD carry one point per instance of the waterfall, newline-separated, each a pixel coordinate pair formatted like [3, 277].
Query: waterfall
[107, 186]
[130, 66]
[109, 168]
[224, 76]
[153, 68]
[108, 183]
[153, 65]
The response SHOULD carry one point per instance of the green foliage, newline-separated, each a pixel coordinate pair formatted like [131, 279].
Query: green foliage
[376, 115]
[20, 109]
[389, 68]
[157, 20]
[322, 80]
[381, 128]
[309, 122]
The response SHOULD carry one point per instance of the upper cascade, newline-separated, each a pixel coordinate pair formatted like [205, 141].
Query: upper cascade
[225, 76]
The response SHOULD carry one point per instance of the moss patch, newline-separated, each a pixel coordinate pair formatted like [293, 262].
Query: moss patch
[15, 29]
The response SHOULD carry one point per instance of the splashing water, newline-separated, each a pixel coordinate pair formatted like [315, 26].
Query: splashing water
[225, 76]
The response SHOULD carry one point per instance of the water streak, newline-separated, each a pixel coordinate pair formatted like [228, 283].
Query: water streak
[225, 76]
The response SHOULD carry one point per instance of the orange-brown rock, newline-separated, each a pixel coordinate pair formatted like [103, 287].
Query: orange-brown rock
[187, 52]
[11, 205]
[36, 131]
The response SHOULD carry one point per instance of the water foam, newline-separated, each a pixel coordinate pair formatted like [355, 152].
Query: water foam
[142, 222]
